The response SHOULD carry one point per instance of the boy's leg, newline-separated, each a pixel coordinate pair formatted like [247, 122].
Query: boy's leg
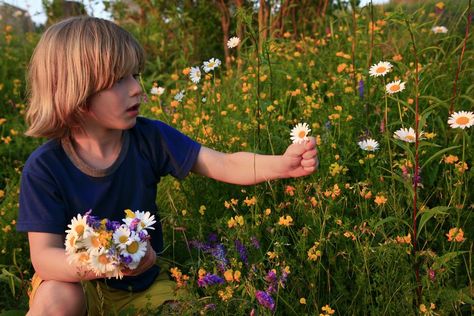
[57, 298]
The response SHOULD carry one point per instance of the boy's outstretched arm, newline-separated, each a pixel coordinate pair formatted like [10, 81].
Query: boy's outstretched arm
[246, 168]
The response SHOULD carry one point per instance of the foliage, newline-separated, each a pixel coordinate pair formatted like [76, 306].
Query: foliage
[342, 239]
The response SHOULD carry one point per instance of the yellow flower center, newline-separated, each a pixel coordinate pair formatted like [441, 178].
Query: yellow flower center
[211, 65]
[95, 241]
[103, 259]
[133, 247]
[370, 147]
[80, 229]
[410, 137]
[301, 134]
[395, 88]
[462, 120]
[123, 239]
[380, 70]
[72, 241]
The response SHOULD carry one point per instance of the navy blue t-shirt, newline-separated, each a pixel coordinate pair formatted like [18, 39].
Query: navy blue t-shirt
[56, 185]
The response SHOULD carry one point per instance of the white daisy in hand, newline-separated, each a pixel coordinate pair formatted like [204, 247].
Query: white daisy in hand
[79, 259]
[233, 42]
[212, 64]
[407, 135]
[73, 243]
[461, 119]
[395, 86]
[103, 263]
[94, 243]
[79, 226]
[195, 74]
[380, 69]
[139, 220]
[369, 144]
[299, 133]
[439, 29]
[136, 249]
[122, 236]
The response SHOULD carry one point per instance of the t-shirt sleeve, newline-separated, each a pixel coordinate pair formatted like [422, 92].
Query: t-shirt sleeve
[41, 207]
[178, 151]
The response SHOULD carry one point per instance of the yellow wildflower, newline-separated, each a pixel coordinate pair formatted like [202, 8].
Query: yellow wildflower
[314, 253]
[285, 221]
[303, 301]
[456, 235]
[251, 201]
[380, 200]
[451, 159]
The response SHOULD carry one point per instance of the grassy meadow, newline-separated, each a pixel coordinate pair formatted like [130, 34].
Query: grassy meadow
[384, 227]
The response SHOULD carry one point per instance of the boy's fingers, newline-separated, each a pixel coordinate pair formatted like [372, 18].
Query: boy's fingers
[310, 154]
[308, 162]
[310, 143]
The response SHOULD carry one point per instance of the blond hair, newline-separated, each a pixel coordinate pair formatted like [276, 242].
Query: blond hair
[73, 60]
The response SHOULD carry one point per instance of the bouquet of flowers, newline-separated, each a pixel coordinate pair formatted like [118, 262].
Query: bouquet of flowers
[106, 247]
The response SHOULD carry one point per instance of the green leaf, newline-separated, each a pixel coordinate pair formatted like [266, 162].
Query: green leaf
[428, 214]
[444, 259]
[390, 219]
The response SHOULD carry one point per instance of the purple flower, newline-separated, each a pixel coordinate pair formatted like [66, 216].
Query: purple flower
[209, 279]
[219, 252]
[255, 242]
[212, 238]
[265, 299]
[239, 246]
[126, 259]
[134, 224]
[112, 225]
[361, 89]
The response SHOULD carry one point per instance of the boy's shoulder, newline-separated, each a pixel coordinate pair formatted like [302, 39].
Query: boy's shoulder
[48, 149]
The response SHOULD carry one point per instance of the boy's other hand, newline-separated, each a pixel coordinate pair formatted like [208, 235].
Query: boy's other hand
[300, 159]
[146, 263]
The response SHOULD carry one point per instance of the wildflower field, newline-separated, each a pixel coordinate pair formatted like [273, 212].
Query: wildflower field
[384, 227]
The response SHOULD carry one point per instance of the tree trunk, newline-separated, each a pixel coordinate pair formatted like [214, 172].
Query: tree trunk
[225, 22]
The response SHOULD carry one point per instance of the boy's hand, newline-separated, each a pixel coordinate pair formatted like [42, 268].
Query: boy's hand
[146, 263]
[300, 159]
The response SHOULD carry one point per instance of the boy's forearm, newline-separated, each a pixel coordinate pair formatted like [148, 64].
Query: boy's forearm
[247, 168]
[52, 264]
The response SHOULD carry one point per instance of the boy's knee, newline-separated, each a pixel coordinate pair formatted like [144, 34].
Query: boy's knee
[58, 298]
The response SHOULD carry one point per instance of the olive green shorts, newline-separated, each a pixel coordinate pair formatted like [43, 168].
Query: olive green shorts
[104, 300]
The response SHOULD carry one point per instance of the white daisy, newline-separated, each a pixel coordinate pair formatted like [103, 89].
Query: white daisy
[179, 96]
[121, 236]
[461, 119]
[439, 29]
[299, 133]
[73, 243]
[79, 259]
[157, 90]
[380, 69]
[395, 86]
[212, 64]
[233, 42]
[142, 220]
[103, 263]
[369, 144]
[195, 74]
[136, 249]
[95, 243]
[407, 135]
[79, 226]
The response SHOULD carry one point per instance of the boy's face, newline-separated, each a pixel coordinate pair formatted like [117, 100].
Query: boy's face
[116, 107]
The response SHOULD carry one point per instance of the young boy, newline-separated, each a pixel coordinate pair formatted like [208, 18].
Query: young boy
[101, 156]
